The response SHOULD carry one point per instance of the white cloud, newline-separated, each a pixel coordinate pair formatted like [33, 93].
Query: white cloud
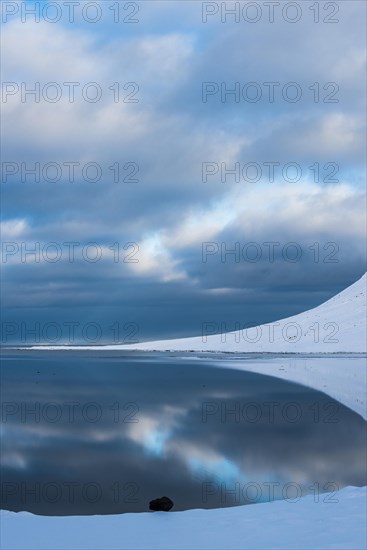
[14, 229]
[154, 260]
[299, 212]
[333, 134]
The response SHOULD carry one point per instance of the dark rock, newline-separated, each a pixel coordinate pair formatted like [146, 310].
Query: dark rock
[163, 504]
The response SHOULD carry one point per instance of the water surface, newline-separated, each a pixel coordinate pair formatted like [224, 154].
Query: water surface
[103, 433]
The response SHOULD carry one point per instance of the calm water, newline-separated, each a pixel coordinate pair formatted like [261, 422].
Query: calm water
[101, 434]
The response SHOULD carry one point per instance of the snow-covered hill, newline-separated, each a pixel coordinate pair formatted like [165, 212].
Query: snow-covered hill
[338, 325]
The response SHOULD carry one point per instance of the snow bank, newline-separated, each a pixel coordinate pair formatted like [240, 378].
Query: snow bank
[305, 524]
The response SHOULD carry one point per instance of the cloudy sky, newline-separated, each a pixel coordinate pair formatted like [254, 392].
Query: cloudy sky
[159, 139]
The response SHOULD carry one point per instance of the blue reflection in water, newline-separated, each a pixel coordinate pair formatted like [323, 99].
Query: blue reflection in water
[86, 433]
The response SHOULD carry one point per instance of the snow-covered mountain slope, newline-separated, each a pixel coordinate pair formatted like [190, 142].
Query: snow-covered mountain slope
[335, 521]
[338, 325]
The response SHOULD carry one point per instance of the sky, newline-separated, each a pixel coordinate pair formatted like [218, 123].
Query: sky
[178, 165]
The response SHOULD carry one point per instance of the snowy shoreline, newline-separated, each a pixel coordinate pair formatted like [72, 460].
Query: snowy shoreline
[331, 521]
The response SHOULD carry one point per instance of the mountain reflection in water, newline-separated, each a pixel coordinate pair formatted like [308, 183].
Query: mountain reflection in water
[84, 433]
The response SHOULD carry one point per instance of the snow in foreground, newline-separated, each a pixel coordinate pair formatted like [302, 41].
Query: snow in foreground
[304, 524]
